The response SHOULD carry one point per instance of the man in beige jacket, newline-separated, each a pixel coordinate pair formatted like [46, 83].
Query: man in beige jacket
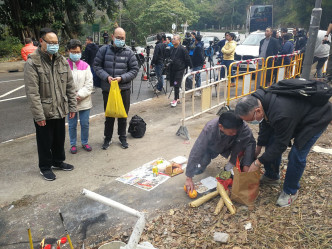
[51, 94]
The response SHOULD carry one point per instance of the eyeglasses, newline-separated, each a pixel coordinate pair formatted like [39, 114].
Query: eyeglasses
[54, 43]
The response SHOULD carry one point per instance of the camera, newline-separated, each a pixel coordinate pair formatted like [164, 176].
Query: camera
[148, 48]
[326, 42]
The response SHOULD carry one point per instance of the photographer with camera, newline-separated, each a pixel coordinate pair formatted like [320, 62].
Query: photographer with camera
[180, 61]
[187, 40]
[158, 62]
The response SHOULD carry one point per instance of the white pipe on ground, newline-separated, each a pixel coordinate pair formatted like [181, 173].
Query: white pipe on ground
[140, 224]
[110, 202]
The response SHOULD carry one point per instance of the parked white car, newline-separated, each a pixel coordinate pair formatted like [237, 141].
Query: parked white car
[249, 49]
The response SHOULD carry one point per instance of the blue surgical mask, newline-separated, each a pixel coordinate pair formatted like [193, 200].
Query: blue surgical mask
[75, 57]
[52, 48]
[256, 122]
[119, 43]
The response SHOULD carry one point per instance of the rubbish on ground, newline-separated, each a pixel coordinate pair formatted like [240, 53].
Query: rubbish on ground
[139, 226]
[322, 150]
[221, 237]
[227, 200]
[11, 207]
[203, 199]
[248, 226]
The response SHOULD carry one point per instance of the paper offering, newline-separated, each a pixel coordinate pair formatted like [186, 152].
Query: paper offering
[144, 178]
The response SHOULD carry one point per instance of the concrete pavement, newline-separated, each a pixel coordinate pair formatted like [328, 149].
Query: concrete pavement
[26, 198]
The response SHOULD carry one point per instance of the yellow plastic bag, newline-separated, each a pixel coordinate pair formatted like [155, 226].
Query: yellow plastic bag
[115, 107]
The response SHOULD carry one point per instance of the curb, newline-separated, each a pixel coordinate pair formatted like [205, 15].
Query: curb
[15, 66]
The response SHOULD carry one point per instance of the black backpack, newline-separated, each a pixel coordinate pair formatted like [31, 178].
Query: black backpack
[316, 92]
[137, 127]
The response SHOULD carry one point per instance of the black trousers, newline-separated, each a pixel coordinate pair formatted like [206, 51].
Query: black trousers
[175, 81]
[122, 122]
[50, 143]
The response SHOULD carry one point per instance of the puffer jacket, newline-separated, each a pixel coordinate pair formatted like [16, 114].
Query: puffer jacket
[115, 62]
[27, 49]
[83, 83]
[49, 86]
[229, 50]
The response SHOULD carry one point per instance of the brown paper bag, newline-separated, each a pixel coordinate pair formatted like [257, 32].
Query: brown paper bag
[245, 187]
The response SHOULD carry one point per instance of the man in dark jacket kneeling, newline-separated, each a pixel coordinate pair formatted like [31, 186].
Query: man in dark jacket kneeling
[116, 62]
[282, 118]
[227, 136]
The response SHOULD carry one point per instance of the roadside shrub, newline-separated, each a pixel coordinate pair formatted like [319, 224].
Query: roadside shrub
[10, 47]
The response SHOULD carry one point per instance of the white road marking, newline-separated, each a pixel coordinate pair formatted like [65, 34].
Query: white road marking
[19, 97]
[5, 81]
[92, 116]
[14, 90]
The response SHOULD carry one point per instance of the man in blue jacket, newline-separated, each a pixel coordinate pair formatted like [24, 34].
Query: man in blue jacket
[116, 62]
[198, 60]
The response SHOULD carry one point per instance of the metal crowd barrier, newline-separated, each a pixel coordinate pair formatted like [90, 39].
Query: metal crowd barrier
[207, 98]
[247, 76]
[276, 68]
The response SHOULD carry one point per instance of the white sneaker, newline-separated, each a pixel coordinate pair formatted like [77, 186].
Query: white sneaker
[174, 103]
[198, 94]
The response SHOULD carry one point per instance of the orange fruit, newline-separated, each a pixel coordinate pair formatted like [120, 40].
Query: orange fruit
[193, 194]
[185, 188]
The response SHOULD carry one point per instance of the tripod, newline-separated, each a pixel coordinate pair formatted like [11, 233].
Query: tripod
[209, 54]
[151, 75]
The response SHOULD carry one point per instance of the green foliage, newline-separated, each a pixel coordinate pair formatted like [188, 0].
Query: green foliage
[145, 17]
[10, 47]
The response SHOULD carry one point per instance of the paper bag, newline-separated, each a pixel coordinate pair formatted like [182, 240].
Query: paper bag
[245, 187]
[115, 107]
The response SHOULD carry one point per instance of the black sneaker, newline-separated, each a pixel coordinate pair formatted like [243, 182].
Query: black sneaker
[124, 143]
[106, 144]
[48, 175]
[63, 166]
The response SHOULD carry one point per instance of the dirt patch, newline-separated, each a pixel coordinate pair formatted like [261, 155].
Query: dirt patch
[305, 224]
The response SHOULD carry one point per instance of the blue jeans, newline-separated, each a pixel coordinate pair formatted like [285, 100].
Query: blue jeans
[84, 122]
[227, 63]
[197, 76]
[159, 72]
[295, 168]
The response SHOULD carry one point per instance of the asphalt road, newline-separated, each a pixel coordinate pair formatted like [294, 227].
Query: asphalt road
[16, 119]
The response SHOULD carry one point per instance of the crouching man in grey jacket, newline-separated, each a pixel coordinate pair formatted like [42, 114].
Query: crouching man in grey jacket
[226, 135]
[51, 94]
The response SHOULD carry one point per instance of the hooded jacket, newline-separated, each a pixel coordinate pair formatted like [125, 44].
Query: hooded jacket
[83, 83]
[159, 53]
[49, 86]
[198, 56]
[115, 62]
[288, 117]
[214, 142]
